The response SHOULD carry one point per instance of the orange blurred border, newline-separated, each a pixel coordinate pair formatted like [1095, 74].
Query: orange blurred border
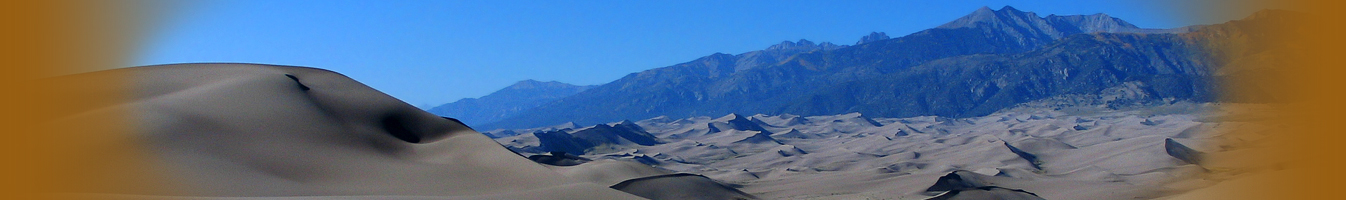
[42, 39]
[1315, 119]
[48, 38]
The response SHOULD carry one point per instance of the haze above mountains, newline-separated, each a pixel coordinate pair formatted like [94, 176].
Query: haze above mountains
[975, 65]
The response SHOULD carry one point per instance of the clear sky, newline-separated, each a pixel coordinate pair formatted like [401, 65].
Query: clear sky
[435, 52]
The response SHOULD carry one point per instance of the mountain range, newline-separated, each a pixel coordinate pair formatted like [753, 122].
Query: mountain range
[506, 102]
[972, 66]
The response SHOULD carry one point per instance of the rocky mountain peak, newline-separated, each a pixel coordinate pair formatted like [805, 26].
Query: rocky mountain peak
[984, 16]
[502, 103]
[1029, 25]
[873, 36]
[802, 45]
[788, 45]
[535, 84]
[1091, 23]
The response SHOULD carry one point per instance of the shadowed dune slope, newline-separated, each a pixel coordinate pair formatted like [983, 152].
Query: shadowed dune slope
[696, 187]
[246, 130]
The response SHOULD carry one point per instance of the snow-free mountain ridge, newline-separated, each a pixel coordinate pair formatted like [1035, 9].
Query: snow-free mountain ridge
[994, 58]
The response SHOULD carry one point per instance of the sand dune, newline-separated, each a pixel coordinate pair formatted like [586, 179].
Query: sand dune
[243, 131]
[970, 185]
[693, 187]
[1140, 153]
[650, 182]
[610, 172]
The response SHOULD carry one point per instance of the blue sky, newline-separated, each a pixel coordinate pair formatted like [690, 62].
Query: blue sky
[435, 52]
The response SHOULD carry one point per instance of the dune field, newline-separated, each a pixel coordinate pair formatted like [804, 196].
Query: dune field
[246, 131]
[1074, 153]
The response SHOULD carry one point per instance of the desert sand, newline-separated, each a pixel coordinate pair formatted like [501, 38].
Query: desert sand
[1024, 153]
[246, 131]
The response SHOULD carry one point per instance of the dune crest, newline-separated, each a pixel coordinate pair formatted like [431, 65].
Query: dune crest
[1014, 154]
[278, 132]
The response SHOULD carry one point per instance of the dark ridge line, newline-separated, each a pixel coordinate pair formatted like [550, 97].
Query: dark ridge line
[628, 182]
[952, 193]
[296, 81]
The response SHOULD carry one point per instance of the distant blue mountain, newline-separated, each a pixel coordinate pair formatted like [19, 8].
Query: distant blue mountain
[974, 65]
[506, 102]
